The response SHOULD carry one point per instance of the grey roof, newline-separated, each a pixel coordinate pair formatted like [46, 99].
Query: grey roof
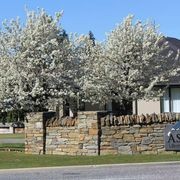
[174, 46]
[175, 43]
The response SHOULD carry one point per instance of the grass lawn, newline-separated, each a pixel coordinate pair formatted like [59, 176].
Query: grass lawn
[10, 145]
[21, 160]
[12, 136]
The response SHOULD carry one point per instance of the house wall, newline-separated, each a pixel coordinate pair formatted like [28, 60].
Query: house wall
[18, 130]
[6, 130]
[147, 106]
[11, 130]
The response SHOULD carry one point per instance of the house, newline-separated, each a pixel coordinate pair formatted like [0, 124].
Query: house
[11, 128]
[170, 101]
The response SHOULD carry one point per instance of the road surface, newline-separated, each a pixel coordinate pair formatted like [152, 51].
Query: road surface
[152, 171]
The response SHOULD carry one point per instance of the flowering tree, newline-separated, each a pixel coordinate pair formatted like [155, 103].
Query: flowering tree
[40, 63]
[87, 53]
[36, 62]
[134, 58]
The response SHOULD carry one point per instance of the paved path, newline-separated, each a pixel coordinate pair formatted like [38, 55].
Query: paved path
[159, 171]
[12, 140]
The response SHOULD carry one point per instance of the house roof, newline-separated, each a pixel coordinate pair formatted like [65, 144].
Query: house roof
[174, 46]
[174, 43]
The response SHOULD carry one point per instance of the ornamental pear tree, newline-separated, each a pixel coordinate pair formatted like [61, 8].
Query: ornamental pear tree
[87, 52]
[36, 62]
[41, 64]
[134, 58]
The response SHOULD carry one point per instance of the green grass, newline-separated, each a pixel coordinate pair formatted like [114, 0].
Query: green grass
[12, 136]
[17, 147]
[10, 145]
[21, 160]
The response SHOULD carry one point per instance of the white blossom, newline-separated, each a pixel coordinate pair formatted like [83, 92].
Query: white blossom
[36, 62]
[134, 58]
[40, 63]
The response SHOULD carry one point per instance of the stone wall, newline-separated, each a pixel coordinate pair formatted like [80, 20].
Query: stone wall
[53, 137]
[136, 139]
[95, 133]
[88, 132]
[62, 140]
[35, 132]
[134, 134]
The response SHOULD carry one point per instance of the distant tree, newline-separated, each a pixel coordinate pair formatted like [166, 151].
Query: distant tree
[64, 35]
[15, 116]
[91, 37]
[3, 117]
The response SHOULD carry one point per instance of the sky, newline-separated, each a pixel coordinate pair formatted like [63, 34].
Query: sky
[100, 16]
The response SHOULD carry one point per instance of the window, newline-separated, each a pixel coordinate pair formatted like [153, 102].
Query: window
[170, 102]
[175, 99]
[165, 102]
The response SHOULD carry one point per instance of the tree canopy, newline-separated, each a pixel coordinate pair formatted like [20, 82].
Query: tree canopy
[36, 62]
[134, 58]
[40, 62]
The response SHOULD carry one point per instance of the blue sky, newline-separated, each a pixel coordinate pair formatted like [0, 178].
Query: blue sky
[100, 16]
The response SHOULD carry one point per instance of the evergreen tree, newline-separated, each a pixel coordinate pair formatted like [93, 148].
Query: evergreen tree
[91, 37]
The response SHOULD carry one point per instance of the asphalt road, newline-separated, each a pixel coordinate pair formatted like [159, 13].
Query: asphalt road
[164, 171]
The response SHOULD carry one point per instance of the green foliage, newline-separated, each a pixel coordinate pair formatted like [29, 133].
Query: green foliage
[3, 116]
[91, 37]
[11, 146]
[12, 136]
[12, 116]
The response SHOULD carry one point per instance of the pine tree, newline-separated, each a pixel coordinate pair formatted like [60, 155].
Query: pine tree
[91, 37]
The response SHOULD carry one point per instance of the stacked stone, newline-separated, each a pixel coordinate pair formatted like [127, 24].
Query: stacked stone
[110, 120]
[79, 139]
[64, 121]
[62, 140]
[93, 135]
[34, 134]
[88, 132]
[136, 139]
